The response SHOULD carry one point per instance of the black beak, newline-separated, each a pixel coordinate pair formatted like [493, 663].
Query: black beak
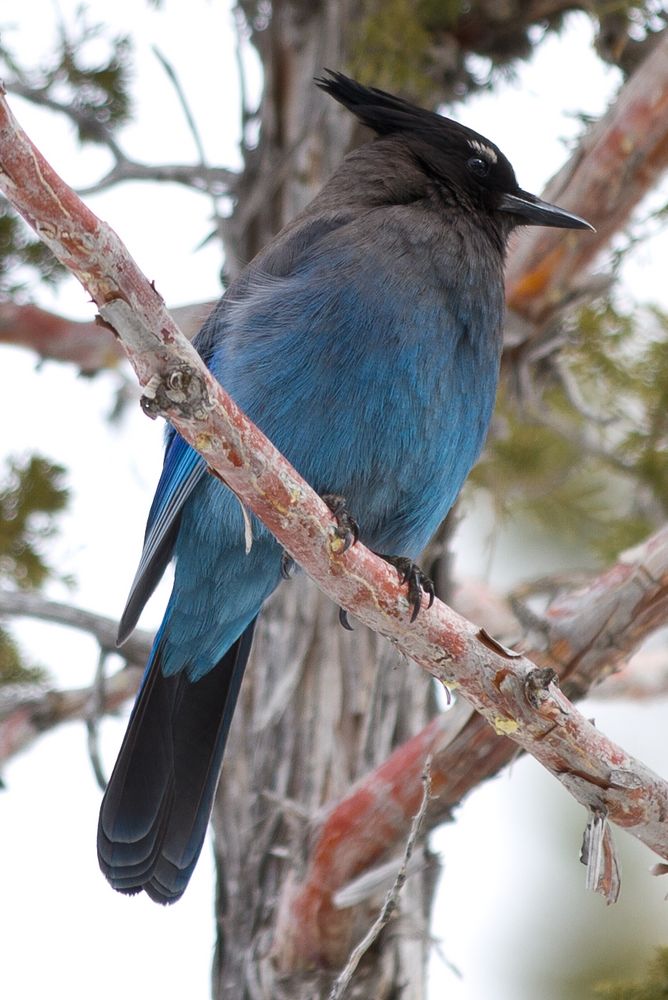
[534, 212]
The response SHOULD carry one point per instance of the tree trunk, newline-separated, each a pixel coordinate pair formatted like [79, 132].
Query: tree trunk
[319, 706]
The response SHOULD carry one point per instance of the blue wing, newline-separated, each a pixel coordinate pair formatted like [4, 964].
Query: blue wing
[182, 470]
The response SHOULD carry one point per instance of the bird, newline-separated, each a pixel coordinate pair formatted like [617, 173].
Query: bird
[365, 341]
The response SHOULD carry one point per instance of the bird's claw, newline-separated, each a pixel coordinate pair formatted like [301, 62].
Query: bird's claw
[347, 527]
[288, 566]
[343, 620]
[418, 582]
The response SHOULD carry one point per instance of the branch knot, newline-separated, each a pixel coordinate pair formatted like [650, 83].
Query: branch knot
[181, 389]
[536, 685]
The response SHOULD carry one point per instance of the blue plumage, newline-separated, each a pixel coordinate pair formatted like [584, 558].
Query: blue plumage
[365, 342]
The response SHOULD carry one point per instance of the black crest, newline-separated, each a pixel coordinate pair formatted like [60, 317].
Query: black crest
[456, 151]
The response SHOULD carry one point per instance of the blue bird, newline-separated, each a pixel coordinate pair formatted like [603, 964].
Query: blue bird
[364, 341]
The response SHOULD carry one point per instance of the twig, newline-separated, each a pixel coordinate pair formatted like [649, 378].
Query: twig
[185, 107]
[104, 629]
[94, 712]
[28, 718]
[201, 177]
[214, 180]
[372, 881]
[82, 118]
[192, 125]
[569, 384]
[241, 27]
[342, 981]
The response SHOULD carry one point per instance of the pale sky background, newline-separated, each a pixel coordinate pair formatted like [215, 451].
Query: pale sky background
[511, 906]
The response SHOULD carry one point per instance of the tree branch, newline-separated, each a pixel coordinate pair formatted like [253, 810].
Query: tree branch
[29, 717]
[200, 176]
[215, 181]
[344, 978]
[27, 713]
[85, 345]
[585, 634]
[355, 834]
[517, 699]
[614, 167]
[23, 604]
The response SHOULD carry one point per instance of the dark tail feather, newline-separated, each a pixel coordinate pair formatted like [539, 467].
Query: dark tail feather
[156, 808]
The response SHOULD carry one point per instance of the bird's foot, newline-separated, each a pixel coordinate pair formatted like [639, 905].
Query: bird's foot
[418, 582]
[347, 528]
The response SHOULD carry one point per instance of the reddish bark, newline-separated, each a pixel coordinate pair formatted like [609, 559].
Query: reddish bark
[588, 633]
[56, 337]
[615, 166]
[82, 344]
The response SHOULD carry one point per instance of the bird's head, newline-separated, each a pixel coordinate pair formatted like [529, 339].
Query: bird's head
[462, 160]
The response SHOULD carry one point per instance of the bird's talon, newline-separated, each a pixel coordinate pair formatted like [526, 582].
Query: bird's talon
[288, 566]
[343, 620]
[347, 528]
[418, 582]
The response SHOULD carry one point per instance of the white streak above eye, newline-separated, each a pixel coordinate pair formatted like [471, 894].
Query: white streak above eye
[483, 150]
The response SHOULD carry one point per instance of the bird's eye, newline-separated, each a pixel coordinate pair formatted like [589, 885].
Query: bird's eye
[478, 166]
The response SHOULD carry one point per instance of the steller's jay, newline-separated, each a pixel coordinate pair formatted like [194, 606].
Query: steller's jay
[364, 340]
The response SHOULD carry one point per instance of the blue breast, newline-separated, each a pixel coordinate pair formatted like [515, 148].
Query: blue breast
[371, 381]
[376, 378]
